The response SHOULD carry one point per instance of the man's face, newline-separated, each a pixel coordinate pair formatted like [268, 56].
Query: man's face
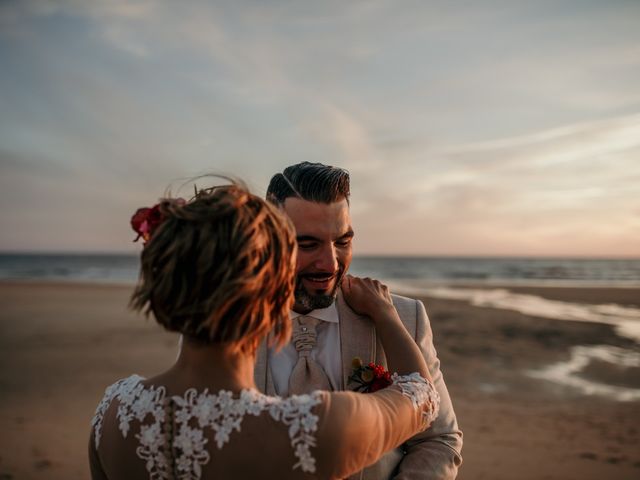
[324, 235]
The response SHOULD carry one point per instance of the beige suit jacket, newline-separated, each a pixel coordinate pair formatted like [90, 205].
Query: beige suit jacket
[433, 454]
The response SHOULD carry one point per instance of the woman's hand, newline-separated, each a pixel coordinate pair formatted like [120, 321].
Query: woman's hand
[368, 297]
[372, 298]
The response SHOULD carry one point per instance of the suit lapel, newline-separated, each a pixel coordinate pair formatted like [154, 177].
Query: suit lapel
[357, 338]
[262, 372]
[271, 389]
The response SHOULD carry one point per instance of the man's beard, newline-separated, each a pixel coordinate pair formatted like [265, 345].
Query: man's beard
[306, 301]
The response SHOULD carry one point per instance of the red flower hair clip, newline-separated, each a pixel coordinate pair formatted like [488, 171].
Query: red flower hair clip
[146, 220]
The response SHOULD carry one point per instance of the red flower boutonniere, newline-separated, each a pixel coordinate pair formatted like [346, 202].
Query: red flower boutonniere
[369, 378]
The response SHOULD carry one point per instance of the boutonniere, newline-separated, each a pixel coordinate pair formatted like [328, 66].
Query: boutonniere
[369, 378]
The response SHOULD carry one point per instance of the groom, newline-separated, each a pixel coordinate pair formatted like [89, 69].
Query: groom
[316, 198]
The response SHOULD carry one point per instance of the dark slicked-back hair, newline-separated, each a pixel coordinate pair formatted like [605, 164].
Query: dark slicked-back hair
[314, 182]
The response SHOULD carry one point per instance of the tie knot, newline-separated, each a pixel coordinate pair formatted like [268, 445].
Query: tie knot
[304, 334]
[307, 374]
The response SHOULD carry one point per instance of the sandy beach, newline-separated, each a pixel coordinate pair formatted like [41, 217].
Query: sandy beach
[62, 344]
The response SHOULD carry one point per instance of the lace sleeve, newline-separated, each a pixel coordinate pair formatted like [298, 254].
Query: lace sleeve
[422, 394]
[357, 429]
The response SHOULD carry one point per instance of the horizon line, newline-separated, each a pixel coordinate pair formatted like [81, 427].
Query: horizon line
[355, 255]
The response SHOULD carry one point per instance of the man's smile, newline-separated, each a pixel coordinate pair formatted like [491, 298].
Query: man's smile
[319, 281]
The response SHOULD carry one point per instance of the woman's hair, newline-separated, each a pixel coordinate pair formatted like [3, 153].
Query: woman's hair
[220, 268]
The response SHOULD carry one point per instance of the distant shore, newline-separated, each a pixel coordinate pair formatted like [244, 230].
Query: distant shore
[61, 344]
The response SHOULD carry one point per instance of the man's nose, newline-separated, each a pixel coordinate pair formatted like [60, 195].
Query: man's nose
[327, 260]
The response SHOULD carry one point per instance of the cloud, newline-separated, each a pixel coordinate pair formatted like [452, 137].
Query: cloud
[485, 129]
[130, 9]
[537, 191]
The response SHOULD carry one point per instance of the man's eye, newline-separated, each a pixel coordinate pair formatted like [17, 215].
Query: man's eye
[344, 243]
[306, 246]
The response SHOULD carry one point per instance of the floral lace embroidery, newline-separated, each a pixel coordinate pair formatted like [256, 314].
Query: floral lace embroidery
[136, 402]
[220, 412]
[422, 394]
[224, 414]
[122, 386]
[295, 412]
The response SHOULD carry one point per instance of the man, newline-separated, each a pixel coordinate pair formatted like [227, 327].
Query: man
[316, 198]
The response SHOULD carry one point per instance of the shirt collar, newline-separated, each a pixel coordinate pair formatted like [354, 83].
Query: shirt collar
[329, 314]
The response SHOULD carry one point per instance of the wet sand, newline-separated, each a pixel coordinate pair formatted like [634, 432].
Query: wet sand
[519, 427]
[61, 345]
[624, 296]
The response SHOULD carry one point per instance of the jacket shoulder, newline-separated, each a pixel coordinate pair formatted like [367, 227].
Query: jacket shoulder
[400, 300]
[406, 305]
[411, 311]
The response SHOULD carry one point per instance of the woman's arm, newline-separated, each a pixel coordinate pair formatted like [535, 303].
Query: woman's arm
[356, 429]
[372, 298]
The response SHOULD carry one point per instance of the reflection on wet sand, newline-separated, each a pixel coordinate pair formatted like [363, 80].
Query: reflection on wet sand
[597, 370]
[606, 370]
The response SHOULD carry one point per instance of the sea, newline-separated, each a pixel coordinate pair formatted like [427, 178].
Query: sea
[480, 281]
[123, 268]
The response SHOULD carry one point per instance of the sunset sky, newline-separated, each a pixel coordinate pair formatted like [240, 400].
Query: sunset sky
[469, 128]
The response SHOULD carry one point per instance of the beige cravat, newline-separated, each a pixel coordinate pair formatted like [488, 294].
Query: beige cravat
[307, 374]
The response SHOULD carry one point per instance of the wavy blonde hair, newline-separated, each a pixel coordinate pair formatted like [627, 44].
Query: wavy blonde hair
[220, 268]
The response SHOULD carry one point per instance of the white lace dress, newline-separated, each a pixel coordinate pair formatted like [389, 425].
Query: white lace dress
[177, 436]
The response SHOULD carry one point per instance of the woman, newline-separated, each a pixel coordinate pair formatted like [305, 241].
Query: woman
[220, 270]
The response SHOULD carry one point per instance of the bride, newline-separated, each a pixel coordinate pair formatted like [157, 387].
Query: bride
[219, 269]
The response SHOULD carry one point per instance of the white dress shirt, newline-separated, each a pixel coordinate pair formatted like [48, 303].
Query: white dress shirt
[326, 352]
